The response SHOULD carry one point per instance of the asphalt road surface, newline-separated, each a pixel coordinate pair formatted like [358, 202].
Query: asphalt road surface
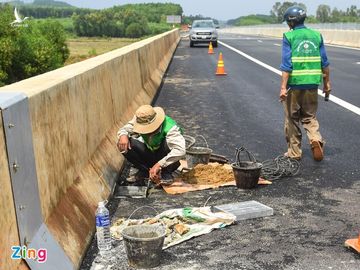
[314, 212]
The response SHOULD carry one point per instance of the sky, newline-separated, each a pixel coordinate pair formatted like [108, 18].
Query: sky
[219, 9]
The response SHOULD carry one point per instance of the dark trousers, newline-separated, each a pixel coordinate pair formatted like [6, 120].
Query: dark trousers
[143, 159]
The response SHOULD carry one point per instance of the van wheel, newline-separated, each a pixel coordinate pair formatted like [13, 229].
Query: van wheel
[215, 44]
[191, 44]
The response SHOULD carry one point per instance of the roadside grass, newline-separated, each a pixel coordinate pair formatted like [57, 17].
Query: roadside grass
[82, 48]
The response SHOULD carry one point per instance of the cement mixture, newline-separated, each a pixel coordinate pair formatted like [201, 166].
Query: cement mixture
[211, 173]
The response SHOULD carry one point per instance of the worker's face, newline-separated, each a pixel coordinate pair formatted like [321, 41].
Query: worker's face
[155, 132]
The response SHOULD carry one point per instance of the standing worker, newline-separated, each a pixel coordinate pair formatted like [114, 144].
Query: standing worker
[304, 65]
[153, 143]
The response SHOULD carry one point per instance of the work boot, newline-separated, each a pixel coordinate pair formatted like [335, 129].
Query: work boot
[317, 150]
[166, 179]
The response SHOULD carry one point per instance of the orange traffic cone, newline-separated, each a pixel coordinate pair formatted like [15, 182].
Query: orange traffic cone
[353, 243]
[211, 50]
[220, 66]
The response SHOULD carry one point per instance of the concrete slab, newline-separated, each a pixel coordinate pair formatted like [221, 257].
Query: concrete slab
[245, 210]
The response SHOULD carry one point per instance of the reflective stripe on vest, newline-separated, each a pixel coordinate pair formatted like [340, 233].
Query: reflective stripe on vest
[306, 59]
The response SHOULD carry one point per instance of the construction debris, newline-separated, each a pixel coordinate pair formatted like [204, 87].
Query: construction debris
[181, 224]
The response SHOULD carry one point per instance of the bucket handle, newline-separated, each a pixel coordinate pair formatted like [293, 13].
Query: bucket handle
[249, 154]
[201, 136]
[191, 140]
[141, 207]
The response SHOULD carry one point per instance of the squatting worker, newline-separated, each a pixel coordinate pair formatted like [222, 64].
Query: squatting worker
[153, 143]
[304, 66]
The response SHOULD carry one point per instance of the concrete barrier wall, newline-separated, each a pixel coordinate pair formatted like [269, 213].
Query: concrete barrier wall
[75, 113]
[349, 38]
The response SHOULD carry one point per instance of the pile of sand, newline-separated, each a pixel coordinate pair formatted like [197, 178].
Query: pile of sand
[212, 173]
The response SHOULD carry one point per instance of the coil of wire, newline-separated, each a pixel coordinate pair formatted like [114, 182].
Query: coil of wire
[279, 167]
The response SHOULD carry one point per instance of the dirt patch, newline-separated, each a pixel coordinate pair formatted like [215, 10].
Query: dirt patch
[212, 173]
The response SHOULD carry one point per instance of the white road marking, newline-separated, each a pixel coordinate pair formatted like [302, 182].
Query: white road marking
[327, 44]
[277, 44]
[259, 41]
[342, 47]
[333, 98]
[358, 63]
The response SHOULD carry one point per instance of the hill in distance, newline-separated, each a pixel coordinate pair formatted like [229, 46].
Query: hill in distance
[252, 20]
[42, 3]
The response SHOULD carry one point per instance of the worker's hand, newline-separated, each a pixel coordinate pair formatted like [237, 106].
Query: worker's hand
[123, 143]
[154, 173]
[327, 87]
[283, 94]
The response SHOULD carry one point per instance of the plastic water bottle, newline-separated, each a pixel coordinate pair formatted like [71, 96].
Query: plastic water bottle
[103, 229]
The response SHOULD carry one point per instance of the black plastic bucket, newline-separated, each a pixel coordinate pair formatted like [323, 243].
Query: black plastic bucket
[246, 173]
[143, 245]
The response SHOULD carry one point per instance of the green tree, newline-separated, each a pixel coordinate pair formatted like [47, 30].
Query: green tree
[191, 18]
[323, 13]
[7, 37]
[311, 19]
[134, 30]
[336, 15]
[352, 11]
[110, 23]
[116, 21]
[279, 9]
[55, 33]
[30, 48]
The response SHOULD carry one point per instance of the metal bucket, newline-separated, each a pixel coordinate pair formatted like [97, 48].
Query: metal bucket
[246, 173]
[198, 155]
[143, 245]
[189, 141]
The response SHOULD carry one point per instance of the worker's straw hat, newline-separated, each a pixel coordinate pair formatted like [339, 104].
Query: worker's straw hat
[148, 119]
